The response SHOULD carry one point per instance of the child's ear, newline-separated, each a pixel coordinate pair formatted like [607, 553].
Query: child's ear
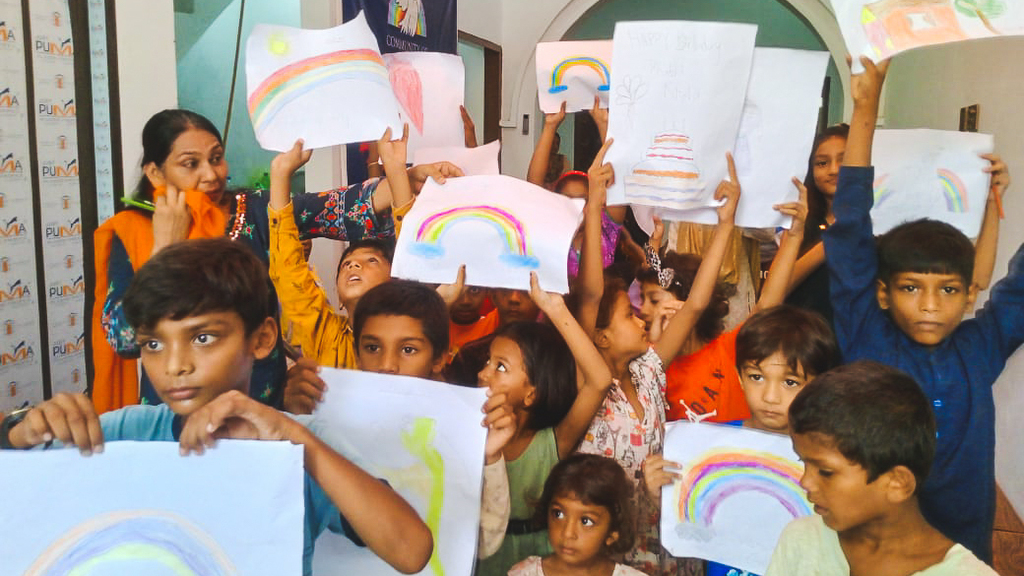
[156, 177]
[264, 338]
[972, 295]
[530, 397]
[602, 339]
[438, 366]
[612, 538]
[882, 295]
[900, 484]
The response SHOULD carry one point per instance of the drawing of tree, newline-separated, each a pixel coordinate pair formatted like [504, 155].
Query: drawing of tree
[982, 9]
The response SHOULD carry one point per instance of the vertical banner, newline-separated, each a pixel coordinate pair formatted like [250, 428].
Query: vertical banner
[409, 25]
[21, 348]
[60, 197]
[104, 156]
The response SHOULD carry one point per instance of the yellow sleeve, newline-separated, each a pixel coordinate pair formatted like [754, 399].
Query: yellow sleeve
[398, 214]
[316, 328]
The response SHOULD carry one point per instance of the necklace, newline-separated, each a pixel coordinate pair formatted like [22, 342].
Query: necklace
[239, 224]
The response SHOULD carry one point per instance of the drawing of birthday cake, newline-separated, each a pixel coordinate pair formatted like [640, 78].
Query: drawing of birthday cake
[668, 173]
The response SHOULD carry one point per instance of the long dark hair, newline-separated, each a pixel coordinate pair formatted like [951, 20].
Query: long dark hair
[817, 205]
[158, 136]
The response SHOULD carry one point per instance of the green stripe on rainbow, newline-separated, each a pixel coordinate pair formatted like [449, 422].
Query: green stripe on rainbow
[587, 61]
[722, 473]
[954, 191]
[303, 76]
[432, 231]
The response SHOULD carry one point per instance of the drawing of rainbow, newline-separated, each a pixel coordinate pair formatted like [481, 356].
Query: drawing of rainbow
[301, 77]
[141, 541]
[724, 472]
[593, 63]
[432, 231]
[954, 190]
[882, 193]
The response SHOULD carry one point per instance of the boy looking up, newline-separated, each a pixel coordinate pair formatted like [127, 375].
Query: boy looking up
[866, 435]
[202, 315]
[902, 304]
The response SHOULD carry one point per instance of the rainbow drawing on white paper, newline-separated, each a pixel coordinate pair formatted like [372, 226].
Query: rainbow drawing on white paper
[881, 191]
[558, 73]
[724, 472]
[954, 191]
[433, 230]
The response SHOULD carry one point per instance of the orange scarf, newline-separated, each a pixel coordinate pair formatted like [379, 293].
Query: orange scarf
[115, 379]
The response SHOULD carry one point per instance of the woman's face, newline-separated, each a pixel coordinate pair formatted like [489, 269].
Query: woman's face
[826, 162]
[196, 162]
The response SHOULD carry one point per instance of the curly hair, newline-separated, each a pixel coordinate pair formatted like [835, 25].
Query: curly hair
[685, 266]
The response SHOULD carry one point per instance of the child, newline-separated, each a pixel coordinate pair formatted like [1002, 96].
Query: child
[866, 435]
[554, 380]
[587, 506]
[901, 303]
[202, 313]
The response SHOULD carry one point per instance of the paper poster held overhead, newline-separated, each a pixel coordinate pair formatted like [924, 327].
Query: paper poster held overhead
[425, 439]
[930, 174]
[142, 508]
[573, 72]
[325, 86]
[737, 490]
[676, 99]
[479, 161]
[429, 87]
[500, 227]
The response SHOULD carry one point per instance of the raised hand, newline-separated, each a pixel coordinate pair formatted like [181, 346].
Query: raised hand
[171, 218]
[1000, 174]
[394, 152]
[546, 301]
[796, 210]
[601, 176]
[450, 292]
[657, 234]
[500, 424]
[728, 190]
[600, 116]
[555, 119]
[286, 163]
[439, 171]
[866, 87]
[468, 128]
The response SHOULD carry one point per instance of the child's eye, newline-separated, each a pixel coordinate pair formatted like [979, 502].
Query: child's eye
[557, 514]
[410, 350]
[151, 345]
[755, 377]
[204, 339]
[371, 348]
[908, 288]
[588, 521]
[825, 473]
[791, 383]
[501, 367]
[950, 290]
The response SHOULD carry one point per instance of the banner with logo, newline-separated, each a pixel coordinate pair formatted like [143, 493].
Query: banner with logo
[409, 25]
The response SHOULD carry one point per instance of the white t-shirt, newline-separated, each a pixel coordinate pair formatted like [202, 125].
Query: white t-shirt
[809, 548]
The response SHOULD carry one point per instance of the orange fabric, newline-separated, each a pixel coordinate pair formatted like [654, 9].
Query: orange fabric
[706, 382]
[459, 335]
[115, 379]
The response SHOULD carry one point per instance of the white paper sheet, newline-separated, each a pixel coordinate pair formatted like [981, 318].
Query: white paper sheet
[880, 29]
[141, 508]
[325, 86]
[425, 439]
[500, 227]
[429, 87]
[573, 72]
[479, 161]
[739, 489]
[930, 174]
[677, 96]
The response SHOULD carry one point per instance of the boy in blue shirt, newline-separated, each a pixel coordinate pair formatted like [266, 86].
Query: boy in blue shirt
[901, 303]
[203, 314]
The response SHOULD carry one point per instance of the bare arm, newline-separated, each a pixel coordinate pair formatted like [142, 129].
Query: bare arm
[393, 155]
[988, 238]
[281, 169]
[539, 162]
[591, 275]
[468, 128]
[865, 89]
[779, 276]
[805, 265]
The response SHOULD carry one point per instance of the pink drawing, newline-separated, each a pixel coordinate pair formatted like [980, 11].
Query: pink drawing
[405, 81]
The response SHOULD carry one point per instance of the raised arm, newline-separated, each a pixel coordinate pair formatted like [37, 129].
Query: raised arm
[468, 128]
[393, 155]
[703, 288]
[988, 239]
[592, 374]
[780, 275]
[539, 162]
[865, 88]
[590, 282]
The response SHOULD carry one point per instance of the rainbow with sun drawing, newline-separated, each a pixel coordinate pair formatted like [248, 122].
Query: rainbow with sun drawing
[725, 472]
[432, 231]
[954, 191]
[558, 73]
[302, 77]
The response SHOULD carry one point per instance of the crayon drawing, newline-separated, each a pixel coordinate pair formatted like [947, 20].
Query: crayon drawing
[954, 191]
[425, 440]
[668, 174]
[737, 490]
[501, 228]
[573, 72]
[405, 81]
[880, 189]
[429, 87]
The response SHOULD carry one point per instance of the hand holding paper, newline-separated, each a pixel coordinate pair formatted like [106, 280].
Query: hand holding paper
[237, 416]
[728, 193]
[67, 418]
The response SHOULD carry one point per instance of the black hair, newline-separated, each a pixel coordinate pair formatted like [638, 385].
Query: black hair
[158, 136]
[803, 337]
[925, 246]
[613, 287]
[685, 267]
[817, 205]
[571, 177]
[550, 368]
[465, 367]
[597, 481]
[196, 277]
[384, 247]
[875, 415]
[406, 298]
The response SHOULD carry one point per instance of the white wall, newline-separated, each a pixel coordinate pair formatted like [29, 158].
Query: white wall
[926, 89]
[483, 18]
[146, 69]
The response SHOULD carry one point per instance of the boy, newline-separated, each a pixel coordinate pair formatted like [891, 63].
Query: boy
[902, 305]
[866, 435]
[203, 315]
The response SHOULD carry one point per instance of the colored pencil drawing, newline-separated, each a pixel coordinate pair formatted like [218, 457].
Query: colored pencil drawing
[953, 191]
[881, 190]
[430, 235]
[896, 25]
[405, 81]
[668, 174]
[586, 62]
[139, 541]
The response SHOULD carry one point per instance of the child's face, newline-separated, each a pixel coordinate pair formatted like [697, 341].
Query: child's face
[626, 334]
[837, 487]
[769, 387]
[362, 269]
[827, 160]
[193, 360]
[653, 295]
[505, 373]
[514, 306]
[397, 345]
[579, 532]
[926, 307]
[466, 309]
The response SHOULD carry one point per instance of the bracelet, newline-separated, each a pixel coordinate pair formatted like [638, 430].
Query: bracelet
[10, 421]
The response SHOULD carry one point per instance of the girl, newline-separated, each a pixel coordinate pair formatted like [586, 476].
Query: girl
[587, 506]
[554, 381]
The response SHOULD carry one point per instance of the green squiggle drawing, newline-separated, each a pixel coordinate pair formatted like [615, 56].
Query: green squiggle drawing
[419, 441]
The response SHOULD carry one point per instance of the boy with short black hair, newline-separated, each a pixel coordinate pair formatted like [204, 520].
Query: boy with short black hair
[902, 303]
[866, 435]
[201, 312]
